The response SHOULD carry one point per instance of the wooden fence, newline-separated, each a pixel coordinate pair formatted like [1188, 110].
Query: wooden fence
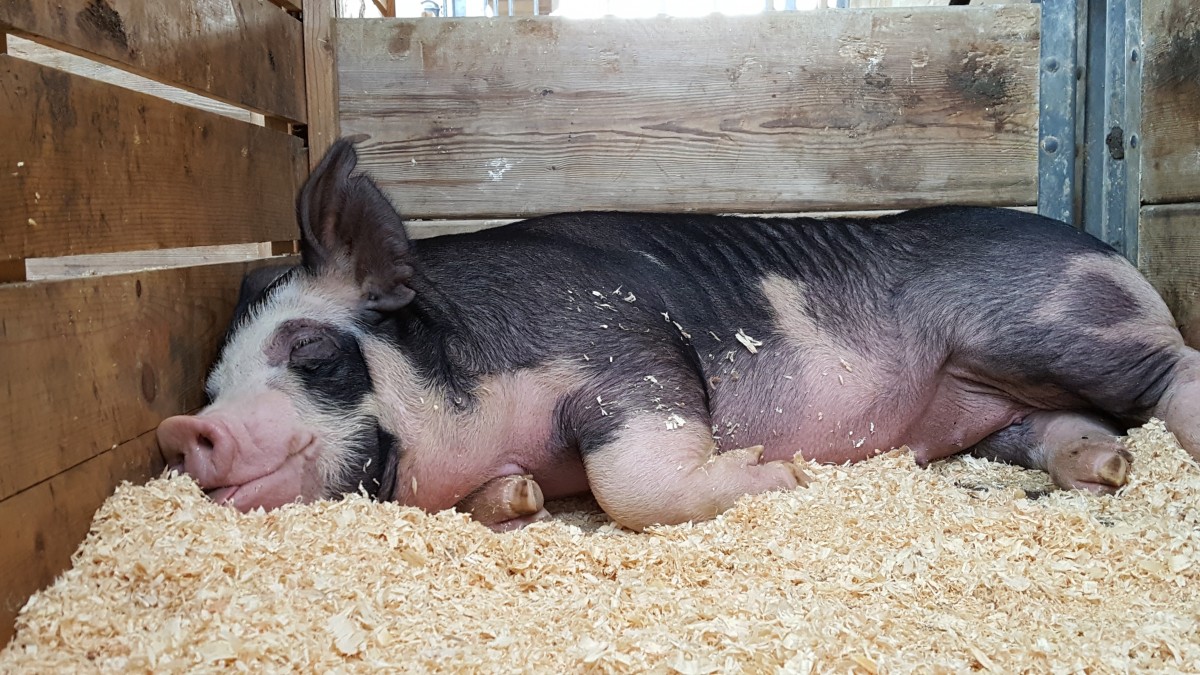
[781, 112]
[1169, 222]
[90, 365]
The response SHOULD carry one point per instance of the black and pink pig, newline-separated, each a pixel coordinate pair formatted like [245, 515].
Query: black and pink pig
[670, 364]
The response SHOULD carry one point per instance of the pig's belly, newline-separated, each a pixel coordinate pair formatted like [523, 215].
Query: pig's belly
[839, 418]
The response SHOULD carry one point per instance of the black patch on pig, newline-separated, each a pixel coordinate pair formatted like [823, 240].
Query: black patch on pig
[1116, 304]
[336, 377]
[376, 458]
[100, 21]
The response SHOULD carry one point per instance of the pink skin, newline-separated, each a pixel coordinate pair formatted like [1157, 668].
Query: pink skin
[259, 456]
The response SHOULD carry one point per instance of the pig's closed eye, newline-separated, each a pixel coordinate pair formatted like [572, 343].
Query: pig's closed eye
[310, 351]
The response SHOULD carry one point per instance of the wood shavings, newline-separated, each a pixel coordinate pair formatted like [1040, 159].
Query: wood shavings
[875, 567]
[748, 342]
[674, 421]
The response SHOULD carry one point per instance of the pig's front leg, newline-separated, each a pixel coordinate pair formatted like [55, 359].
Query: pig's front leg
[506, 503]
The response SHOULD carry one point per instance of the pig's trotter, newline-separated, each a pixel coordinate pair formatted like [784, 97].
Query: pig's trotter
[518, 523]
[1080, 452]
[503, 500]
[647, 475]
[1096, 464]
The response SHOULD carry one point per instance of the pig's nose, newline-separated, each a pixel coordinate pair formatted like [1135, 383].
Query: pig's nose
[186, 442]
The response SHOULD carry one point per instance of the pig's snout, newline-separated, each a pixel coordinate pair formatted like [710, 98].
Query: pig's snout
[256, 456]
[193, 445]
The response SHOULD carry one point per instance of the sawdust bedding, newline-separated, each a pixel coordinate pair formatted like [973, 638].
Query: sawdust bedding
[877, 567]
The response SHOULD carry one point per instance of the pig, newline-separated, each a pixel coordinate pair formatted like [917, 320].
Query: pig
[670, 363]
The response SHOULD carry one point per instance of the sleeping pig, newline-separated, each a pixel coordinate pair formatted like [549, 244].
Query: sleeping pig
[670, 364]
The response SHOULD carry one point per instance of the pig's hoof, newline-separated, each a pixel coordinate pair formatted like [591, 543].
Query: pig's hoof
[504, 498]
[523, 495]
[752, 456]
[802, 477]
[1097, 464]
[518, 523]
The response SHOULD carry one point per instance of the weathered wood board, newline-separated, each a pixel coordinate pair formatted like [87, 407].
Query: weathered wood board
[89, 363]
[1169, 256]
[42, 526]
[1171, 101]
[320, 75]
[83, 66]
[246, 52]
[89, 167]
[69, 267]
[822, 110]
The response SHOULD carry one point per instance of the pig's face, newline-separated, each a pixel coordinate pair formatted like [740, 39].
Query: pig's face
[293, 412]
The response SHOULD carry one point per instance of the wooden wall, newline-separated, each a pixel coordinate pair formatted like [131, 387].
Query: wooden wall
[90, 365]
[782, 112]
[1169, 225]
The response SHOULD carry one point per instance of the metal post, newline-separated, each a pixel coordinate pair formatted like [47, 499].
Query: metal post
[1122, 123]
[1063, 32]
[1112, 191]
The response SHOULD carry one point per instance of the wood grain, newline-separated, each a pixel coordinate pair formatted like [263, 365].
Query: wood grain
[79, 65]
[245, 52]
[1169, 256]
[94, 264]
[819, 110]
[42, 526]
[320, 76]
[1170, 101]
[89, 363]
[88, 167]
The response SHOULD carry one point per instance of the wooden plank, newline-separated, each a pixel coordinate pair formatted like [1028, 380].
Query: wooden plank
[425, 229]
[87, 167]
[245, 52]
[86, 363]
[1170, 99]
[42, 526]
[95, 264]
[1169, 256]
[820, 110]
[74, 63]
[320, 76]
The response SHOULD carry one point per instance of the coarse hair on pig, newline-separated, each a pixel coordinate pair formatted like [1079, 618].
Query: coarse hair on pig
[671, 363]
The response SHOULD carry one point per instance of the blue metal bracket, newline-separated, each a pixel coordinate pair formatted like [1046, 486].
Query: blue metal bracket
[1060, 104]
[1113, 150]
[1089, 156]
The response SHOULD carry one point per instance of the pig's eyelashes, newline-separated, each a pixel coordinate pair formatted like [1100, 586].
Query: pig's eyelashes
[311, 350]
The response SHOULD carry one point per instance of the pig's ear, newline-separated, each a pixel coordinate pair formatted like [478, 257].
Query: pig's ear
[347, 223]
[255, 283]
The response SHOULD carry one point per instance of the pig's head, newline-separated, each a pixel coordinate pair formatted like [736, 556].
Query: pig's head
[292, 413]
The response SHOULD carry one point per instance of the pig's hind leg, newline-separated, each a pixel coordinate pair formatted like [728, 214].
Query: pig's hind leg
[1078, 451]
[506, 503]
[1179, 405]
[655, 471]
